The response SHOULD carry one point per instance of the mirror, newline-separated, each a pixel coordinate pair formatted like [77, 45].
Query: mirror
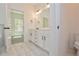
[44, 17]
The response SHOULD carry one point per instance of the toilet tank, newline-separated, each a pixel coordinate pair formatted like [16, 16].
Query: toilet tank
[73, 37]
[77, 37]
[76, 42]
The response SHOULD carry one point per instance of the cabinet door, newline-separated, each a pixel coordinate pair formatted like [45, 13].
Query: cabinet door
[31, 35]
[40, 39]
[46, 39]
[43, 39]
[36, 36]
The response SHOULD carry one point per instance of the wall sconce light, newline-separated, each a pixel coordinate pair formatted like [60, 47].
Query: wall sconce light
[40, 10]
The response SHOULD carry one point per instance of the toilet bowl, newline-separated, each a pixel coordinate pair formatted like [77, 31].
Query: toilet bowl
[76, 44]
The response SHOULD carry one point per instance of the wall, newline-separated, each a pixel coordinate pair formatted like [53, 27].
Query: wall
[63, 31]
[69, 20]
[53, 45]
[2, 13]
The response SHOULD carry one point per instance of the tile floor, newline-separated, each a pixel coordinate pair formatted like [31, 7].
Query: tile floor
[23, 49]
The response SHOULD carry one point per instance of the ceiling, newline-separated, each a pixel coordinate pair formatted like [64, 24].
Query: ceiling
[38, 6]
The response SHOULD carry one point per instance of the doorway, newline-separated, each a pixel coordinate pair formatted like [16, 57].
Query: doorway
[17, 27]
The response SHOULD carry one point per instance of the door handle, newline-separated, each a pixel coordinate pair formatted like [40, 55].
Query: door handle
[6, 27]
[58, 27]
[44, 37]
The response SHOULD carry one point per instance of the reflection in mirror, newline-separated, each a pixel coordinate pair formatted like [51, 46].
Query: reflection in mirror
[44, 17]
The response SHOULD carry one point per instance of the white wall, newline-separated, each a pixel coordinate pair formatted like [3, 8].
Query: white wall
[65, 26]
[64, 31]
[53, 40]
[2, 13]
[69, 21]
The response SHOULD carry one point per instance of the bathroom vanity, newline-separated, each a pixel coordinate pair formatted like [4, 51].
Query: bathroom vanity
[40, 33]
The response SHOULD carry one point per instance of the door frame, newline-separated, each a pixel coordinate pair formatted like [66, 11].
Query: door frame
[7, 24]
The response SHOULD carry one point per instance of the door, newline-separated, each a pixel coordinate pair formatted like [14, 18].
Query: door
[14, 25]
[2, 41]
[40, 38]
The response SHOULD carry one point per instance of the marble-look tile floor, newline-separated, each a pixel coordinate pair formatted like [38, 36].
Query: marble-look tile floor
[23, 49]
[19, 49]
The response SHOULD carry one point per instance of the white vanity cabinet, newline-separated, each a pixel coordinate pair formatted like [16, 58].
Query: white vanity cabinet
[46, 39]
[40, 35]
[43, 39]
[40, 38]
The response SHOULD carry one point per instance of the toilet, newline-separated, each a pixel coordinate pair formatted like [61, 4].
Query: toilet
[76, 44]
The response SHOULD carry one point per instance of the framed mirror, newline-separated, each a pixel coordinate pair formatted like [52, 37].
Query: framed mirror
[44, 18]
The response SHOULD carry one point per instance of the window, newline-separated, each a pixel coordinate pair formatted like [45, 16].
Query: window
[17, 26]
[45, 22]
